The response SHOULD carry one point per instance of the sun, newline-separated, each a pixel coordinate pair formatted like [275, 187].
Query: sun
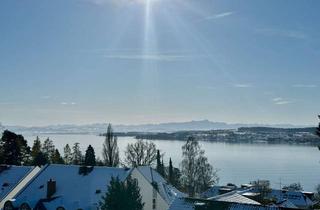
[146, 1]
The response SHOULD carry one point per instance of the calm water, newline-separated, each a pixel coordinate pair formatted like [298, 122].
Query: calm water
[237, 163]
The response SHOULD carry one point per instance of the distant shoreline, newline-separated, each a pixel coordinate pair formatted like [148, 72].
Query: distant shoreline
[250, 135]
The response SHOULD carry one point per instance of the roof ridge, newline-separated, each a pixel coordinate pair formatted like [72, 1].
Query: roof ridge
[33, 178]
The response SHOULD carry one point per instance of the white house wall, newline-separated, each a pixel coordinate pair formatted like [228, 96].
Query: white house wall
[146, 190]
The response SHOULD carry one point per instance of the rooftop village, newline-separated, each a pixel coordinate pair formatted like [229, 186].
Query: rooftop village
[70, 187]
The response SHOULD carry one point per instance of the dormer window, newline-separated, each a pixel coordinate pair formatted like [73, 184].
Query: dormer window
[8, 206]
[24, 206]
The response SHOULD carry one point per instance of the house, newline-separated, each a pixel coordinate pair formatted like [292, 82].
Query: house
[13, 179]
[61, 187]
[300, 199]
[234, 197]
[182, 203]
[218, 190]
[205, 204]
[281, 198]
[156, 192]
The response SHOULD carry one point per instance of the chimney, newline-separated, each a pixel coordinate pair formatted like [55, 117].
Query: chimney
[51, 188]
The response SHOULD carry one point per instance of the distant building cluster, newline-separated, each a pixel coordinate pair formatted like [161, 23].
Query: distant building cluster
[244, 135]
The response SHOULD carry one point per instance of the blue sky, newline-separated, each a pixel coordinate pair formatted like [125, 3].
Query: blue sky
[150, 61]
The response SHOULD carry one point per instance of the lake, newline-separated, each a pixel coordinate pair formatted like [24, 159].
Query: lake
[237, 163]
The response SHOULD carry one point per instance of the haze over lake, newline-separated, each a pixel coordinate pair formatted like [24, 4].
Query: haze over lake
[237, 163]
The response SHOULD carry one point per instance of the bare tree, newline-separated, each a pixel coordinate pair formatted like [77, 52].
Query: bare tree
[110, 151]
[197, 174]
[141, 153]
[264, 189]
[293, 187]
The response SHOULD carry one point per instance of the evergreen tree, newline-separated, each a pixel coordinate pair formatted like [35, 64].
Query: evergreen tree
[14, 149]
[174, 175]
[56, 158]
[90, 157]
[122, 195]
[48, 149]
[170, 172]
[67, 157]
[110, 151]
[36, 148]
[76, 154]
[160, 165]
[38, 157]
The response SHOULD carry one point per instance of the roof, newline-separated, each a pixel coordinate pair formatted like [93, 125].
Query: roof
[239, 206]
[10, 176]
[73, 190]
[234, 197]
[286, 204]
[166, 191]
[181, 204]
[295, 197]
[211, 192]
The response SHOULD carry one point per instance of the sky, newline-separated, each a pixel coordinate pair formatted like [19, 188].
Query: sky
[152, 61]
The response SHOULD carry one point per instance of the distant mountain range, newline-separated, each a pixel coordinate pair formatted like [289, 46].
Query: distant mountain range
[99, 128]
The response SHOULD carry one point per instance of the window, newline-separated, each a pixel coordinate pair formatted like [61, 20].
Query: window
[8, 206]
[25, 206]
[154, 203]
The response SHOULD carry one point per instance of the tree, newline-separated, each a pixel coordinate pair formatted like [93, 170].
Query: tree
[318, 128]
[170, 172]
[36, 148]
[141, 153]
[122, 195]
[90, 157]
[38, 157]
[197, 174]
[76, 154]
[263, 188]
[48, 149]
[67, 157]
[110, 151]
[293, 187]
[56, 157]
[317, 194]
[14, 149]
[174, 175]
[160, 165]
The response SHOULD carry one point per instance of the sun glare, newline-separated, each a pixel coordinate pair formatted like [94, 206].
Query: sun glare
[146, 1]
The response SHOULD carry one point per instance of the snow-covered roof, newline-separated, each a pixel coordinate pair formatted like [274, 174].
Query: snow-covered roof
[239, 206]
[167, 191]
[181, 204]
[234, 197]
[151, 174]
[73, 190]
[10, 176]
[295, 197]
[287, 204]
[213, 191]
